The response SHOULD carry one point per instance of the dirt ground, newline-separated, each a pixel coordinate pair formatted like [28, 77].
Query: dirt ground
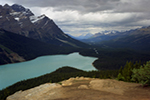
[85, 89]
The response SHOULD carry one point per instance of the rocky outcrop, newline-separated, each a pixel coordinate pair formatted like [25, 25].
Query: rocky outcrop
[35, 93]
[81, 88]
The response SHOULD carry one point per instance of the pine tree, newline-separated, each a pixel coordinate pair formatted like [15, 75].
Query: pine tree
[142, 75]
[127, 71]
[137, 64]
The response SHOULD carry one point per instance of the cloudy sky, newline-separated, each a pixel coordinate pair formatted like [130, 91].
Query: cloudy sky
[91, 16]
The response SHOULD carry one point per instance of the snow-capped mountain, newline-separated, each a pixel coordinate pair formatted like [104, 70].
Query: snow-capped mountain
[106, 32]
[21, 20]
[82, 36]
[101, 36]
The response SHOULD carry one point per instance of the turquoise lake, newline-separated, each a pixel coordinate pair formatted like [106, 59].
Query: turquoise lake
[12, 73]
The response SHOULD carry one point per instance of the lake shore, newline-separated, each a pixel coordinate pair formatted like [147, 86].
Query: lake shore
[12, 73]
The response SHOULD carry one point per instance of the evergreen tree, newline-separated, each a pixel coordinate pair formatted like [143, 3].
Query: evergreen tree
[125, 73]
[142, 75]
[137, 64]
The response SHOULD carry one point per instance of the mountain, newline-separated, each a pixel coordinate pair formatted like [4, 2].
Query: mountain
[138, 39]
[20, 20]
[101, 36]
[17, 48]
[82, 36]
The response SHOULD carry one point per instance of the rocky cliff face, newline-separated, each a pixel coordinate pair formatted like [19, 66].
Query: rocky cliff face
[21, 20]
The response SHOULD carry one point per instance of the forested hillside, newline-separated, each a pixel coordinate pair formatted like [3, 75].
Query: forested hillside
[130, 72]
[54, 77]
[111, 59]
[26, 48]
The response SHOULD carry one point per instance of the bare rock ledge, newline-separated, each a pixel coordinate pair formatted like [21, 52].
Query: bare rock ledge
[81, 88]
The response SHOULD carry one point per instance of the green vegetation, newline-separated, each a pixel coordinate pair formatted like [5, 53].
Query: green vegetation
[142, 74]
[125, 73]
[131, 72]
[135, 73]
[55, 77]
[113, 59]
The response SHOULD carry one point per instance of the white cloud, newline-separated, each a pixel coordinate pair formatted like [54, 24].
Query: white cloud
[90, 22]
[3, 2]
[86, 16]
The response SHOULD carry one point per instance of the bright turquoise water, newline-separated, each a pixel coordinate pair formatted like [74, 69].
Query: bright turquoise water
[12, 73]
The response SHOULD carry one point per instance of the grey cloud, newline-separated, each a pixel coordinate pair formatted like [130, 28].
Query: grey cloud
[133, 6]
[90, 5]
[80, 5]
[138, 12]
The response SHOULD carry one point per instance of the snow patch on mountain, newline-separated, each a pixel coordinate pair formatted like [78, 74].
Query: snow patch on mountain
[35, 19]
[15, 13]
[106, 32]
[17, 19]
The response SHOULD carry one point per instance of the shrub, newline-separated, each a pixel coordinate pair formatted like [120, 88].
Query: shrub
[120, 77]
[142, 75]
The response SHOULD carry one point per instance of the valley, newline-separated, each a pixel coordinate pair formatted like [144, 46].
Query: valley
[34, 51]
[39, 35]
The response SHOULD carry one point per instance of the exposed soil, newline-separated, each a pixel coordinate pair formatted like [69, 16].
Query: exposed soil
[85, 89]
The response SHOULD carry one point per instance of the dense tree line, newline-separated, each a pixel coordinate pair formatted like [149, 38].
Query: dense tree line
[130, 72]
[54, 77]
[125, 73]
[135, 72]
[113, 59]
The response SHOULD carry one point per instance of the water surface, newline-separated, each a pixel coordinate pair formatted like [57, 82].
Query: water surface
[12, 73]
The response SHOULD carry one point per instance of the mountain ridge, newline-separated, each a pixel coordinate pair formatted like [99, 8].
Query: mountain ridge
[20, 20]
[17, 48]
[136, 39]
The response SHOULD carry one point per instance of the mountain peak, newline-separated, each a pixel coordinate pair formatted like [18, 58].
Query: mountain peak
[20, 20]
[6, 6]
[18, 8]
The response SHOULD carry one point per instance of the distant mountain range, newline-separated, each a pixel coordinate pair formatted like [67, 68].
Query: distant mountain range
[137, 39]
[22, 21]
[101, 36]
[82, 36]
